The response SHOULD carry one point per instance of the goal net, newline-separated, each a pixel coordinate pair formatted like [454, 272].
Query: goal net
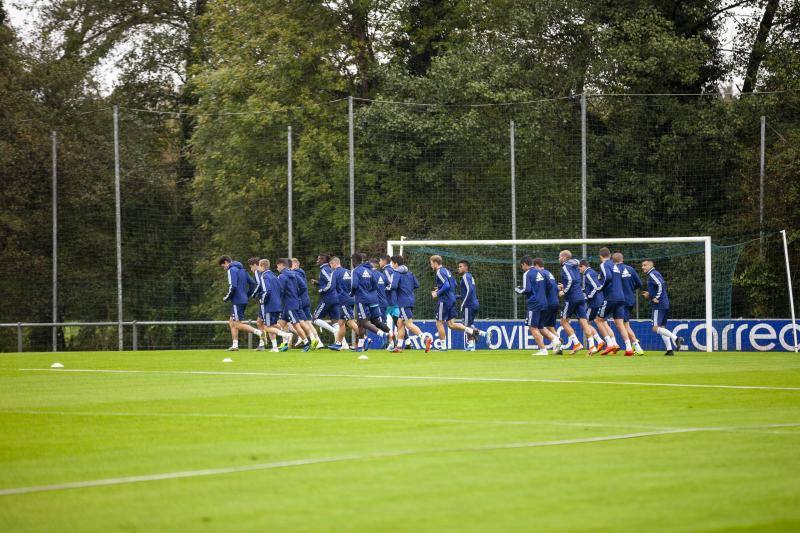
[699, 277]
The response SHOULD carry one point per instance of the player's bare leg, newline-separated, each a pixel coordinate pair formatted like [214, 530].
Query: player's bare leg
[572, 339]
[403, 326]
[537, 336]
[469, 330]
[624, 332]
[637, 348]
[442, 337]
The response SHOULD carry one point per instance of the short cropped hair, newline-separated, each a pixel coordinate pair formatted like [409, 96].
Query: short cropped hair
[374, 260]
[398, 260]
[335, 260]
[264, 263]
[565, 253]
[284, 261]
[326, 258]
[253, 261]
[605, 252]
[357, 258]
[584, 263]
[527, 260]
[617, 257]
[224, 259]
[464, 262]
[539, 262]
[385, 257]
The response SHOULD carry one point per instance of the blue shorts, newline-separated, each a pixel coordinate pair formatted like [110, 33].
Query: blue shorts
[549, 317]
[368, 312]
[615, 310]
[660, 317]
[237, 312]
[305, 312]
[393, 310]
[291, 316]
[405, 312]
[597, 312]
[345, 312]
[382, 311]
[261, 311]
[330, 310]
[271, 318]
[533, 317]
[628, 312]
[574, 309]
[469, 316]
[445, 312]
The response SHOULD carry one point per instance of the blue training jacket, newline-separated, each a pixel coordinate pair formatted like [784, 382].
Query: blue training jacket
[290, 291]
[403, 285]
[657, 288]
[363, 286]
[571, 279]
[271, 292]
[341, 280]
[630, 282]
[552, 290]
[391, 295]
[327, 288]
[534, 284]
[302, 287]
[612, 282]
[239, 284]
[445, 286]
[593, 288]
[381, 284]
[468, 294]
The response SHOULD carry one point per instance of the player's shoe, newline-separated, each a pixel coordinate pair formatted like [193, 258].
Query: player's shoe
[428, 344]
[638, 351]
[629, 353]
[274, 350]
[233, 349]
[575, 349]
[397, 350]
[367, 344]
[261, 348]
[593, 350]
[557, 348]
[298, 342]
[601, 345]
[540, 352]
[679, 342]
[336, 347]
[608, 351]
[284, 346]
[669, 352]
[306, 346]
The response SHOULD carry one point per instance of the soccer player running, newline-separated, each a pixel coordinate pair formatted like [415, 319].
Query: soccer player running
[574, 302]
[290, 293]
[403, 285]
[364, 289]
[469, 304]
[592, 287]
[305, 305]
[615, 300]
[445, 292]
[630, 284]
[657, 293]
[382, 286]
[239, 290]
[342, 284]
[553, 305]
[271, 305]
[392, 311]
[328, 305]
[534, 285]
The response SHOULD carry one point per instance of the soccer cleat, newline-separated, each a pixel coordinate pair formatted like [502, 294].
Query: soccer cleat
[336, 347]
[261, 348]
[233, 349]
[283, 347]
[298, 342]
[608, 351]
[306, 346]
[274, 350]
[679, 342]
[593, 350]
[575, 349]
[428, 344]
[601, 345]
[669, 352]
[314, 344]
[615, 349]
[629, 353]
[540, 352]
[367, 344]
[638, 352]
[397, 350]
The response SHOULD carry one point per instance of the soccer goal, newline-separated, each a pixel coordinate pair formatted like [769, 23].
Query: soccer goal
[698, 275]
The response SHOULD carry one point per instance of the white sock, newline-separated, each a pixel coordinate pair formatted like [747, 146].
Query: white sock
[598, 339]
[668, 333]
[638, 346]
[667, 341]
[611, 341]
[235, 343]
[274, 341]
[324, 325]
[286, 335]
[360, 343]
[469, 330]
[574, 339]
[390, 322]
[591, 341]
[628, 345]
[261, 341]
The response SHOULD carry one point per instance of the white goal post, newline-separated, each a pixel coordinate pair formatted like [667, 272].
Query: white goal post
[390, 246]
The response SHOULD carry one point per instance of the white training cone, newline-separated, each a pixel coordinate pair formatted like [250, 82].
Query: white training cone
[56, 365]
[227, 360]
[362, 357]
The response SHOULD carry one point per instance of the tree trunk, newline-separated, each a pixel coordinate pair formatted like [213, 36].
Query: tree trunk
[759, 46]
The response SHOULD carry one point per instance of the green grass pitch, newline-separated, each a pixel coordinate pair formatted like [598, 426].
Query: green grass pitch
[441, 442]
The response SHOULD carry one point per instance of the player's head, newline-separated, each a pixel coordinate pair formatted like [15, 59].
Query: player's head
[253, 263]
[295, 263]
[564, 256]
[224, 261]
[538, 263]
[648, 265]
[384, 260]
[397, 260]
[526, 263]
[335, 262]
[436, 261]
[604, 254]
[583, 265]
[375, 262]
[323, 258]
[617, 257]
[284, 263]
[263, 265]
[356, 259]
[463, 266]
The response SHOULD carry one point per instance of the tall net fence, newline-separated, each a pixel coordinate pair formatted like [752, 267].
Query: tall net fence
[196, 186]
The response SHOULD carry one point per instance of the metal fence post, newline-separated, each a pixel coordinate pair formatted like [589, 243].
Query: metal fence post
[249, 340]
[135, 336]
[511, 132]
[761, 167]
[55, 239]
[289, 188]
[118, 209]
[352, 173]
[584, 215]
[19, 336]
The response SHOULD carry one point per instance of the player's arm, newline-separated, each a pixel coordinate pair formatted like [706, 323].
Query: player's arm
[325, 280]
[230, 287]
[659, 287]
[445, 286]
[526, 286]
[606, 275]
[637, 281]
[595, 286]
[353, 282]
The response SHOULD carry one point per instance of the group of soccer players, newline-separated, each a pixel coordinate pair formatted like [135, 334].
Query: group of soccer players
[377, 296]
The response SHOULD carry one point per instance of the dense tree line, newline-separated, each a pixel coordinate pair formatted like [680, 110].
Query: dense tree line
[208, 175]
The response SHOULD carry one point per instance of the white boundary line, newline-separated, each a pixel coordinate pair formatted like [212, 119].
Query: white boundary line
[321, 460]
[431, 378]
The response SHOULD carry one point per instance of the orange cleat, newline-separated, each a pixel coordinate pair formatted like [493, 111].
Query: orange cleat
[575, 349]
[608, 351]
[428, 344]
[593, 350]
[628, 353]
[601, 345]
